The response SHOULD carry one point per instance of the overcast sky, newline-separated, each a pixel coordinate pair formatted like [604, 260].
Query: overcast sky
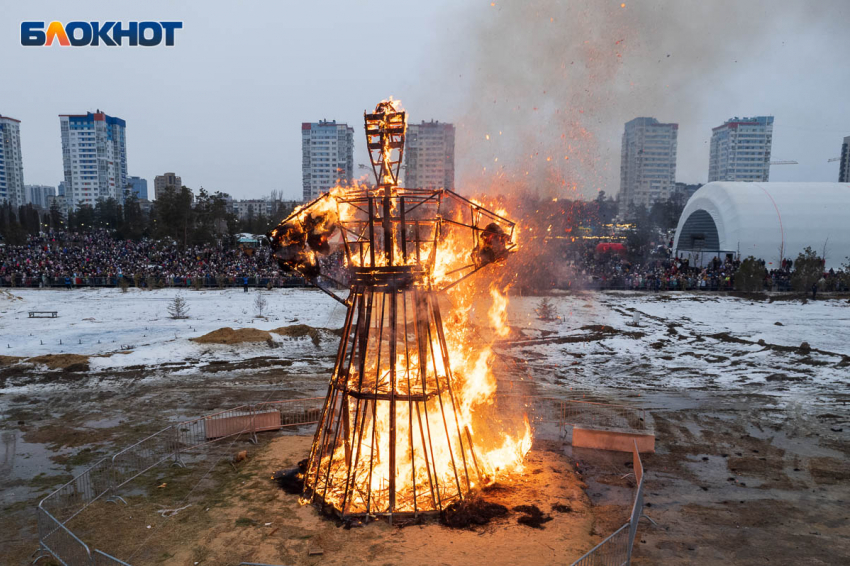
[558, 79]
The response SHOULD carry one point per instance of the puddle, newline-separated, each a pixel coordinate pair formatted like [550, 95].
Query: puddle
[20, 462]
[104, 423]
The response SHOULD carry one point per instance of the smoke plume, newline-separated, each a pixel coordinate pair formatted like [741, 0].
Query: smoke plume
[554, 81]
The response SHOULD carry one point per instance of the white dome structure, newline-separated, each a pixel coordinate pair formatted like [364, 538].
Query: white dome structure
[769, 221]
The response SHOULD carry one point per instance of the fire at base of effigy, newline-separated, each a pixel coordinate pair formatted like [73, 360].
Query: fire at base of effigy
[409, 425]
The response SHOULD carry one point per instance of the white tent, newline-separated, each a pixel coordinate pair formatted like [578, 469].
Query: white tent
[770, 221]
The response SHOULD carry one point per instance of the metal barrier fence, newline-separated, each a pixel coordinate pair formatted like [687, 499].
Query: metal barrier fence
[199, 432]
[67, 501]
[108, 474]
[295, 411]
[613, 551]
[57, 540]
[637, 507]
[100, 558]
[616, 550]
[136, 459]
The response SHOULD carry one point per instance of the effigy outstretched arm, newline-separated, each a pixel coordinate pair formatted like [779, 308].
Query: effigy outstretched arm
[303, 238]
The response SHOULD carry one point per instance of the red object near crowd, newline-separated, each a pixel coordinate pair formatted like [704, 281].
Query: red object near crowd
[615, 247]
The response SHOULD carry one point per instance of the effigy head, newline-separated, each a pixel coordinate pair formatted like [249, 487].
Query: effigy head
[492, 245]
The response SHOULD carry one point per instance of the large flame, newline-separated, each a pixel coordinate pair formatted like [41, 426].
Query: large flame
[448, 436]
[498, 442]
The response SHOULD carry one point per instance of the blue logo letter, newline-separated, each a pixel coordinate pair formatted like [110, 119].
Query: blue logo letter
[131, 33]
[169, 28]
[101, 33]
[156, 38]
[32, 34]
[84, 27]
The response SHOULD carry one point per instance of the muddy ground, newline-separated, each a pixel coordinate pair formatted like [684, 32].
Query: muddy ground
[239, 514]
[741, 475]
[736, 479]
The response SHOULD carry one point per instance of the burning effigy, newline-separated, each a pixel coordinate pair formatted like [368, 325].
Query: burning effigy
[407, 427]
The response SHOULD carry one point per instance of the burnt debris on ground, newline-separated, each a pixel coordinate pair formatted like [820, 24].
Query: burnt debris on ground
[291, 480]
[471, 512]
[531, 516]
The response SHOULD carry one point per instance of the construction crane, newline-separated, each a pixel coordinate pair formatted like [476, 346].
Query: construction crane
[791, 162]
[833, 159]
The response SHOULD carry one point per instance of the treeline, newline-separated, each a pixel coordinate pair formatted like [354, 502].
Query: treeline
[806, 273]
[176, 214]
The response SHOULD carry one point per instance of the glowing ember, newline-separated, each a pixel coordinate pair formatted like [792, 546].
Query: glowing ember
[409, 424]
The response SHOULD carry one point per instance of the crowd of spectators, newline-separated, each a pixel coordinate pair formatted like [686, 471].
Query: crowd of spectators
[97, 258]
[75, 259]
[667, 273]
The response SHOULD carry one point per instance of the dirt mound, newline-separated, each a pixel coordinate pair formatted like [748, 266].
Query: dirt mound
[296, 330]
[229, 335]
[9, 360]
[67, 362]
[301, 330]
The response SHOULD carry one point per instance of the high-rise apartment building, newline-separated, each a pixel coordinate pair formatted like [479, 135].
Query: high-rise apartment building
[429, 156]
[11, 163]
[94, 155]
[38, 195]
[138, 187]
[160, 182]
[740, 150]
[647, 163]
[844, 166]
[327, 156]
[252, 208]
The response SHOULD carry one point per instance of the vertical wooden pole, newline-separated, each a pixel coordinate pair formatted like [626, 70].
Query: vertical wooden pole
[387, 223]
[326, 421]
[363, 323]
[416, 241]
[403, 234]
[392, 293]
[422, 330]
[372, 230]
[374, 447]
[409, 400]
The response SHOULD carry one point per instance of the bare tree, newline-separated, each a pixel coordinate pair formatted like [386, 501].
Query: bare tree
[260, 305]
[178, 308]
